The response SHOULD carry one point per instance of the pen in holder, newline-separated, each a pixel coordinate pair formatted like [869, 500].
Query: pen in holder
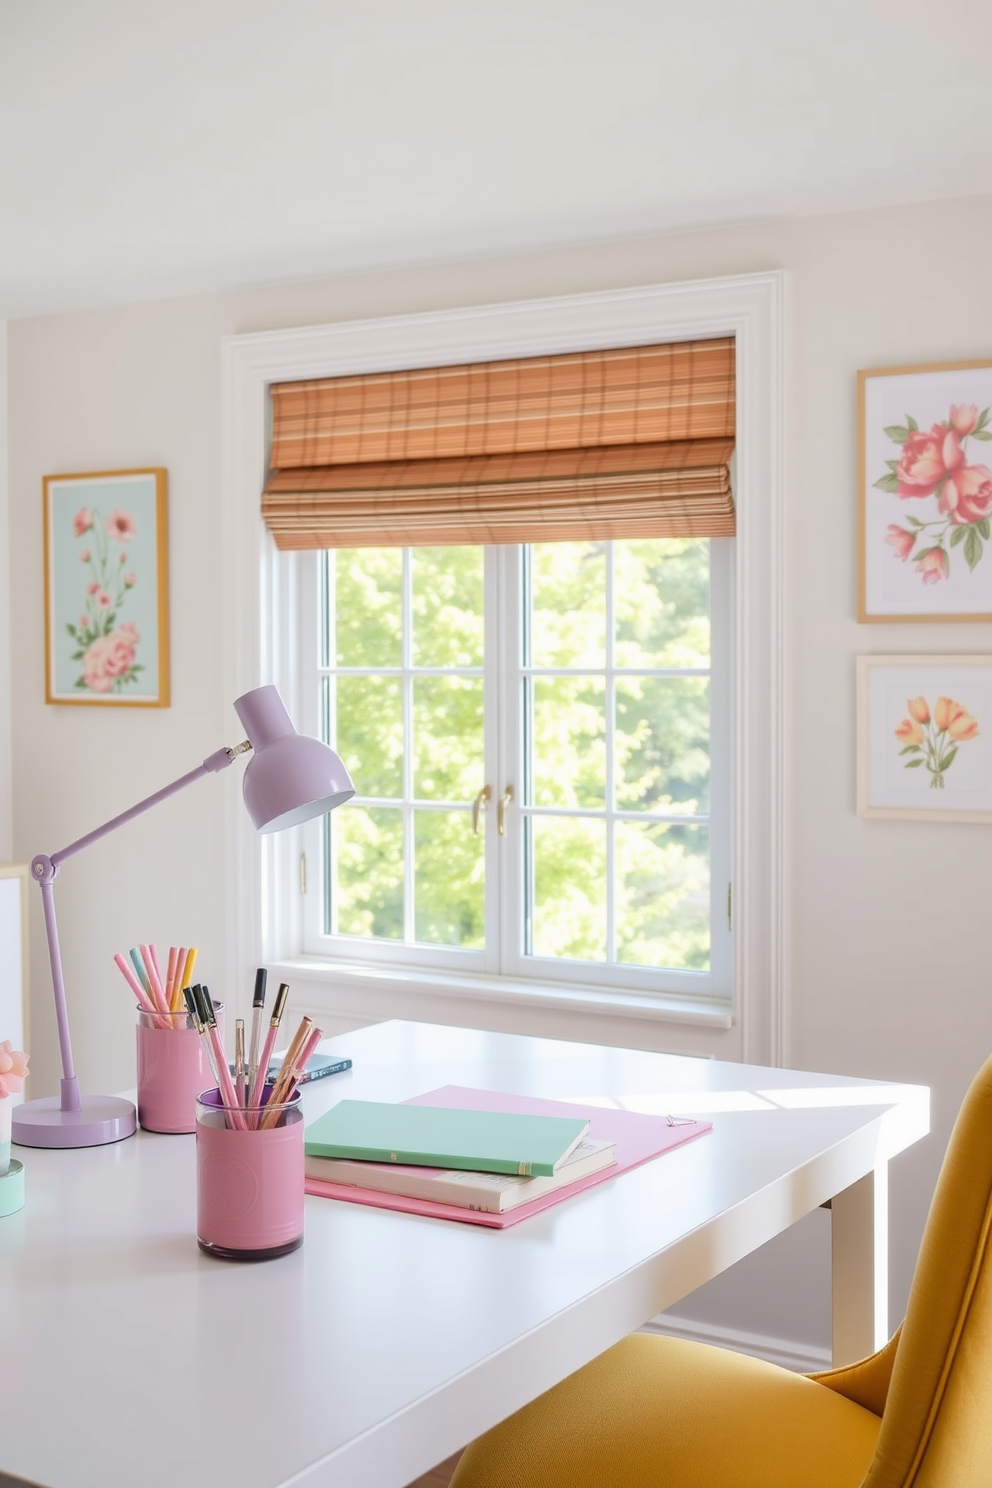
[173, 1068]
[249, 1177]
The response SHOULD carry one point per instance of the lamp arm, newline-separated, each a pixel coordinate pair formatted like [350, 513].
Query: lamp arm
[45, 869]
[214, 762]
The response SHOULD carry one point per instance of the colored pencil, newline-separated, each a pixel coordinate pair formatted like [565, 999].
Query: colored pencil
[293, 1080]
[144, 1001]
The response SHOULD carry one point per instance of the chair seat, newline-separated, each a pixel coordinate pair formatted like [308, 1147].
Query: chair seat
[657, 1412]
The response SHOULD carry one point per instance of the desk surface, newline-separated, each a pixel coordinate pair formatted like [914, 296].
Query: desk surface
[388, 1340]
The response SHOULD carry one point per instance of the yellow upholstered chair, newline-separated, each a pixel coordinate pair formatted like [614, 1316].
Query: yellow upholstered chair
[662, 1413]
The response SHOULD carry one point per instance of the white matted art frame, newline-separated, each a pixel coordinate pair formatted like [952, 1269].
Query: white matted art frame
[925, 493]
[925, 737]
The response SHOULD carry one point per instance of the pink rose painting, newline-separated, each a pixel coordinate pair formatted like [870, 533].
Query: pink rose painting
[107, 652]
[938, 466]
[106, 588]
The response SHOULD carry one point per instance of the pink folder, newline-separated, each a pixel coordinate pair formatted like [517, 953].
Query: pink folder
[637, 1139]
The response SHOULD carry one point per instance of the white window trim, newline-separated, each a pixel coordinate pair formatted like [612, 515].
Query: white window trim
[257, 586]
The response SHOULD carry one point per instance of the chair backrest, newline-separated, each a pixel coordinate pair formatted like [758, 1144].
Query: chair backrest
[937, 1425]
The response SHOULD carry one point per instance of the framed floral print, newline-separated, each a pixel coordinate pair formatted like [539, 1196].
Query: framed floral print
[925, 737]
[106, 589]
[925, 492]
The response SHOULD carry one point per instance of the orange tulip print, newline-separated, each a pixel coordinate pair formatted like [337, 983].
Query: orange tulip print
[935, 465]
[931, 740]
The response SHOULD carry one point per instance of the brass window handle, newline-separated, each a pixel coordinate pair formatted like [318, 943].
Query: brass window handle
[479, 804]
[504, 801]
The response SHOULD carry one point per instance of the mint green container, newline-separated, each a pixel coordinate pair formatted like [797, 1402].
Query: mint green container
[12, 1189]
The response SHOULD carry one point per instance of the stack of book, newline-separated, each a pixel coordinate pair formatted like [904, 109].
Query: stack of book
[488, 1161]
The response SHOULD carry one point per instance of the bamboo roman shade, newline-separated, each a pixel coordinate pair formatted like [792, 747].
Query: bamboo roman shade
[632, 442]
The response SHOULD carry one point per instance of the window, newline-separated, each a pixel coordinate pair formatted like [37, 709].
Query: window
[540, 739]
[267, 594]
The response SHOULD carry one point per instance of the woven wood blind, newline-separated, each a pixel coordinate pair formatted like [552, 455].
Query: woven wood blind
[633, 442]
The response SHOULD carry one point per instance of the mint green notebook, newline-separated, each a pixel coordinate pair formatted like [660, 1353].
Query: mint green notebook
[440, 1137]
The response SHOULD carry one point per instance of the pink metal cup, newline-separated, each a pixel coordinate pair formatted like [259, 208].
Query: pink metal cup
[172, 1070]
[249, 1184]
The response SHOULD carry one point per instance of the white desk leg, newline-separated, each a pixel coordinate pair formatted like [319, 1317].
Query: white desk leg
[860, 1267]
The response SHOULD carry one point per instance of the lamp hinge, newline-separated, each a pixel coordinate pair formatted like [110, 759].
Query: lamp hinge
[303, 873]
[730, 906]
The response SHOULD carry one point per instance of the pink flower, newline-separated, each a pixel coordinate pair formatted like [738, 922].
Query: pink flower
[13, 1068]
[103, 599]
[927, 457]
[129, 632]
[108, 658]
[122, 558]
[933, 566]
[919, 709]
[82, 521]
[964, 417]
[84, 556]
[130, 580]
[84, 622]
[120, 524]
[92, 588]
[967, 495]
[898, 538]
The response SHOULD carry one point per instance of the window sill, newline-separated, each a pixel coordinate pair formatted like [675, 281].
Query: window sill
[345, 981]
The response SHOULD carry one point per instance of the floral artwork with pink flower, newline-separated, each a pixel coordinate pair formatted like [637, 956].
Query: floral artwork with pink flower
[107, 652]
[106, 610]
[937, 466]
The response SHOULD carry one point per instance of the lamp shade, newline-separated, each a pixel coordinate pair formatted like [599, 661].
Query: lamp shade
[290, 777]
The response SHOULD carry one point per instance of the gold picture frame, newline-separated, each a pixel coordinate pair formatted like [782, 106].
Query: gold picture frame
[925, 493]
[925, 738]
[106, 588]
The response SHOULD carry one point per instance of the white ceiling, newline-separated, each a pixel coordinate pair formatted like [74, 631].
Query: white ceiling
[150, 148]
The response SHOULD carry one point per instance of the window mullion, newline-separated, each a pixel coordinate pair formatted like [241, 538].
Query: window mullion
[327, 652]
[508, 851]
[609, 723]
[409, 887]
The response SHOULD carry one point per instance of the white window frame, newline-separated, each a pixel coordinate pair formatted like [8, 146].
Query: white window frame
[503, 953]
[262, 603]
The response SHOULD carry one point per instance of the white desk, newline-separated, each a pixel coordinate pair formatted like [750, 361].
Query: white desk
[130, 1360]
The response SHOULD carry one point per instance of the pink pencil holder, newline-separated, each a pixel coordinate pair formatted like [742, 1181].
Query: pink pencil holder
[172, 1070]
[249, 1183]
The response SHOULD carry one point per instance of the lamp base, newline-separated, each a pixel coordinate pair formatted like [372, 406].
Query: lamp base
[100, 1119]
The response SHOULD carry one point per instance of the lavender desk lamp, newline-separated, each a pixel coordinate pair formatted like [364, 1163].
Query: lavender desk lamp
[290, 779]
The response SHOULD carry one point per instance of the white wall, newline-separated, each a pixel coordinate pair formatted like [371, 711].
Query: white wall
[6, 821]
[887, 969]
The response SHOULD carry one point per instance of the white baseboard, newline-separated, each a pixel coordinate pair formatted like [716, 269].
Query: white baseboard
[788, 1353]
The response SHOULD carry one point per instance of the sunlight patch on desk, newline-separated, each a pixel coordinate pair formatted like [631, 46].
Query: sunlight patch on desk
[695, 1102]
[811, 1097]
